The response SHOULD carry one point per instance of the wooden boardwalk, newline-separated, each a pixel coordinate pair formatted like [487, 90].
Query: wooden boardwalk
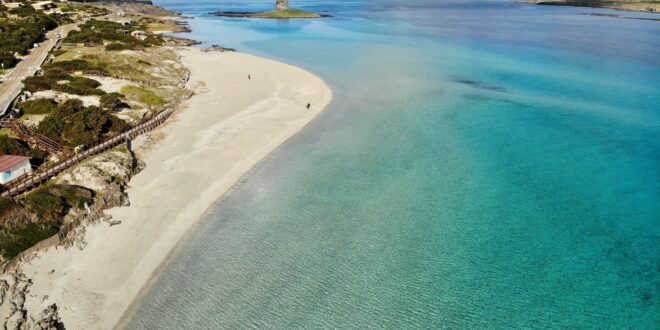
[32, 180]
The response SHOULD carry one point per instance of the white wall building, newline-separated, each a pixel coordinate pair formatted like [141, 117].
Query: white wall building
[12, 167]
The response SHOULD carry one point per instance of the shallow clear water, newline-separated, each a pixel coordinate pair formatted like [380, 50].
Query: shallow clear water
[485, 164]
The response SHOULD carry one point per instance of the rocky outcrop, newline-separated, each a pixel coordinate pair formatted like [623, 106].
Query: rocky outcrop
[13, 301]
[13, 289]
[49, 319]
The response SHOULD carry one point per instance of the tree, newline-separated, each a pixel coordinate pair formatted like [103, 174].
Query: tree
[7, 59]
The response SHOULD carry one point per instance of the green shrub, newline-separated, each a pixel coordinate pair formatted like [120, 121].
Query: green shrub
[78, 65]
[58, 52]
[95, 32]
[79, 86]
[38, 106]
[22, 238]
[111, 100]
[18, 35]
[44, 204]
[58, 80]
[71, 124]
[7, 59]
[37, 83]
[6, 205]
[118, 46]
[53, 202]
[11, 146]
[49, 204]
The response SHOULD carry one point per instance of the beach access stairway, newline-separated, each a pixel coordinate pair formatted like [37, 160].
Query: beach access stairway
[37, 140]
[32, 180]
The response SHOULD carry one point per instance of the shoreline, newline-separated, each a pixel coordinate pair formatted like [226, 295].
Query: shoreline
[639, 7]
[239, 121]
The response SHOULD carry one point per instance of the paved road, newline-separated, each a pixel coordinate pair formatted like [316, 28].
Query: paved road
[11, 84]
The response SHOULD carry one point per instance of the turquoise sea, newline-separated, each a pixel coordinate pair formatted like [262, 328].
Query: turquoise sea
[485, 164]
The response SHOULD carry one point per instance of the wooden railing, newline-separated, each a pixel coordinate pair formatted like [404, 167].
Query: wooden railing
[36, 140]
[30, 181]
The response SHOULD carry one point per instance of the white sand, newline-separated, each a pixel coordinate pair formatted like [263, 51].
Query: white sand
[225, 130]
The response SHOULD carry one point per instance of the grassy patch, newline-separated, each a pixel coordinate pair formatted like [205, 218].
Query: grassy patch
[6, 205]
[79, 65]
[152, 64]
[143, 95]
[49, 204]
[38, 106]
[58, 80]
[22, 238]
[95, 32]
[53, 202]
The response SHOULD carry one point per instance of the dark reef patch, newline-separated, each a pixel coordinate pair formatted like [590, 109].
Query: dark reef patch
[477, 84]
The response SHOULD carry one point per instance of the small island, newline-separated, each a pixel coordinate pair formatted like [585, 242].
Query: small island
[282, 10]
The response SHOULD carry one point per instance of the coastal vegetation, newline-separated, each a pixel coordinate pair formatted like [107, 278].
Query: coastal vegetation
[112, 101]
[12, 146]
[83, 9]
[118, 46]
[20, 29]
[153, 65]
[60, 81]
[79, 65]
[95, 32]
[154, 24]
[71, 124]
[136, 72]
[40, 106]
[144, 96]
[37, 216]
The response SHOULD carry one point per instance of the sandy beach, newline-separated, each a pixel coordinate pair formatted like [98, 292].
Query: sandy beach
[221, 133]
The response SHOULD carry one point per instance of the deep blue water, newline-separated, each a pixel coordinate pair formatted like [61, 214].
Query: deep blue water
[485, 164]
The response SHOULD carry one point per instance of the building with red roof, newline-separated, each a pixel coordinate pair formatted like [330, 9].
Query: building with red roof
[12, 167]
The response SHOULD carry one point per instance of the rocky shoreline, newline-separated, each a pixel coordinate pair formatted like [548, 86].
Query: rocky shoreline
[649, 6]
[13, 291]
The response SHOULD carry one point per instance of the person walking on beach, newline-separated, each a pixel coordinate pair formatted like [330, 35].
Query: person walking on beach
[249, 77]
[308, 105]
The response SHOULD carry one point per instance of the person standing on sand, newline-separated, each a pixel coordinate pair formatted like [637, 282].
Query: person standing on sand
[308, 105]
[249, 77]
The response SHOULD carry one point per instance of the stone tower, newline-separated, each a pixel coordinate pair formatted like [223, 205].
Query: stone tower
[282, 5]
